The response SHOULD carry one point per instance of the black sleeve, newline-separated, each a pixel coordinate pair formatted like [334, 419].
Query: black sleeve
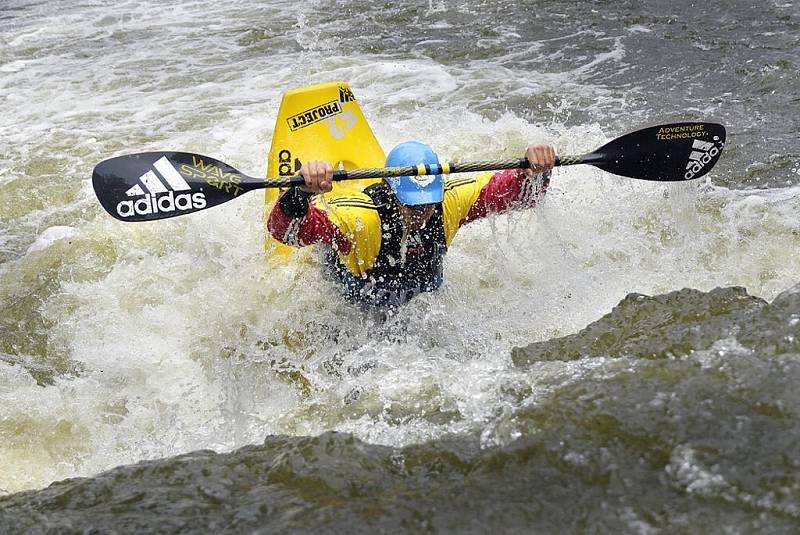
[294, 202]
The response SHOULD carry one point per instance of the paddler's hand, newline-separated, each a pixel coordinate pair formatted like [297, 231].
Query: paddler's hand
[541, 157]
[318, 176]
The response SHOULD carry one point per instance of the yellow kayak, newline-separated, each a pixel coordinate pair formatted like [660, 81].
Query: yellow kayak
[320, 122]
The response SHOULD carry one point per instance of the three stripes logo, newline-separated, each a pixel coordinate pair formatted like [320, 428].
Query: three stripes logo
[160, 193]
[702, 153]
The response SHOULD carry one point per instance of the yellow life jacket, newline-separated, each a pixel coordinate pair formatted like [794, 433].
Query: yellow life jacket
[357, 217]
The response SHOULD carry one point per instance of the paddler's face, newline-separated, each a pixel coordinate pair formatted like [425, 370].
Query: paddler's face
[415, 217]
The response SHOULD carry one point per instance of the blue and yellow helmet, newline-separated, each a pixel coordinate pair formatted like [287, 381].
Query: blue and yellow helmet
[415, 190]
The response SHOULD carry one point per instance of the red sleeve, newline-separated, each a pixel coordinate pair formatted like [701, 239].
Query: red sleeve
[508, 190]
[314, 227]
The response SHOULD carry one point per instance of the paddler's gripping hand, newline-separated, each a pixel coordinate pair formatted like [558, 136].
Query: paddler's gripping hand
[318, 176]
[541, 157]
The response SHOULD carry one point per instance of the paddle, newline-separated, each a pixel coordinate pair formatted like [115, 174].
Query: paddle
[158, 185]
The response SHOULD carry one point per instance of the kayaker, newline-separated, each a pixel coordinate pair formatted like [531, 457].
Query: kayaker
[386, 244]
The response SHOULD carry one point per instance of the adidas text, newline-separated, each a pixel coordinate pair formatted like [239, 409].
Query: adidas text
[150, 204]
[702, 154]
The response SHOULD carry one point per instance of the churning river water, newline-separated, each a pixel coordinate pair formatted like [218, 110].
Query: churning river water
[623, 359]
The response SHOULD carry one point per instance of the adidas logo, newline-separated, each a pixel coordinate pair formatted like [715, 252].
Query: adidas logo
[702, 153]
[160, 196]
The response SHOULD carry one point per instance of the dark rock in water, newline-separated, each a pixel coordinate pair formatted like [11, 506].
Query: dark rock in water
[692, 427]
[676, 324]
[775, 328]
[289, 484]
[596, 457]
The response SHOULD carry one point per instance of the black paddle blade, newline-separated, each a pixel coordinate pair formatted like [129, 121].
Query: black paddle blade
[158, 185]
[665, 153]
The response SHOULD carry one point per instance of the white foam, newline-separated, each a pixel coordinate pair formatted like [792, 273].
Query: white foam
[50, 236]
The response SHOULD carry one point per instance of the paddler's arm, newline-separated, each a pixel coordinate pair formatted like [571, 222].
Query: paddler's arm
[294, 221]
[515, 188]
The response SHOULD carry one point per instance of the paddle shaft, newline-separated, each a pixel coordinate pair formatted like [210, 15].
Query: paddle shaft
[412, 170]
